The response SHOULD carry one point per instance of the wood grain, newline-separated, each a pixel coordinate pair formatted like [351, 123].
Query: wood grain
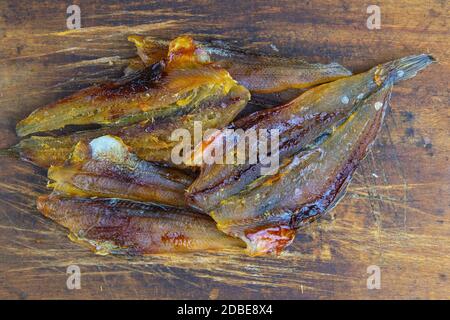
[396, 213]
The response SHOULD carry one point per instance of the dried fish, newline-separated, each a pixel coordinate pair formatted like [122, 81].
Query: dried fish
[106, 168]
[171, 87]
[299, 123]
[150, 140]
[266, 211]
[111, 226]
[258, 73]
[115, 187]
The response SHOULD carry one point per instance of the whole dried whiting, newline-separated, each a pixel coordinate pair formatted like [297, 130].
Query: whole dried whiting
[105, 168]
[258, 73]
[132, 228]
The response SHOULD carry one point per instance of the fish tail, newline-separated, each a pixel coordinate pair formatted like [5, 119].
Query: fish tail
[404, 68]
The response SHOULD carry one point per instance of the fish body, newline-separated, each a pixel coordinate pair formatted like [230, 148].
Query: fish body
[150, 140]
[258, 73]
[106, 168]
[167, 88]
[111, 226]
[273, 74]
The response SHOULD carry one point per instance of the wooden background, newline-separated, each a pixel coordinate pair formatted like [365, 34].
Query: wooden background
[396, 214]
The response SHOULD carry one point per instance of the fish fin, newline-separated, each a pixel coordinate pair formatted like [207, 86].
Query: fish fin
[80, 153]
[340, 194]
[101, 248]
[148, 50]
[137, 40]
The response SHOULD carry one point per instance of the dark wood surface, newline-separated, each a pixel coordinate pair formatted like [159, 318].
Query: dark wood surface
[395, 215]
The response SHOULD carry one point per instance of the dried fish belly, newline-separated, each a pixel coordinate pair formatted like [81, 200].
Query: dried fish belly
[149, 140]
[258, 73]
[167, 88]
[105, 168]
[266, 211]
[110, 226]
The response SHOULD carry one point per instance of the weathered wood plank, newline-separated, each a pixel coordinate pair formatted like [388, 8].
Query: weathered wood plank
[396, 214]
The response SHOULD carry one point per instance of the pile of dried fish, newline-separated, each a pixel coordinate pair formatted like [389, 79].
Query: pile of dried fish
[118, 190]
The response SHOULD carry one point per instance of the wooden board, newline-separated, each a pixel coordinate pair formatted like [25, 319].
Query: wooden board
[396, 213]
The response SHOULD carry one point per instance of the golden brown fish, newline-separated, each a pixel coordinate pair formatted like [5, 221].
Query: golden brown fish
[265, 212]
[171, 87]
[150, 140]
[106, 168]
[111, 226]
[258, 73]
